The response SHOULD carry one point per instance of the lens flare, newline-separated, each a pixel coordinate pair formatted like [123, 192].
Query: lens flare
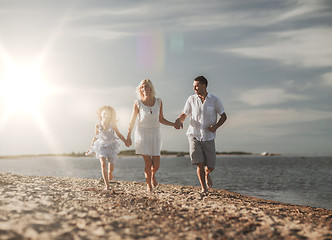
[151, 51]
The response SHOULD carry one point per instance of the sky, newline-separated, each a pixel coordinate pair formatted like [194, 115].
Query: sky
[270, 63]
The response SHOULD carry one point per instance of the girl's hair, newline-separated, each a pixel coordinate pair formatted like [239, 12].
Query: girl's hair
[148, 83]
[107, 108]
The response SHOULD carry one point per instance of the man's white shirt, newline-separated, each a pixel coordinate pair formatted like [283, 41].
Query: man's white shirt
[202, 116]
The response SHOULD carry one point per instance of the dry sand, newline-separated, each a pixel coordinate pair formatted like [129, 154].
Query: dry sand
[69, 208]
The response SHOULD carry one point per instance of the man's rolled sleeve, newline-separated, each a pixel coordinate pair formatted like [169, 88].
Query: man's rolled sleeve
[187, 108]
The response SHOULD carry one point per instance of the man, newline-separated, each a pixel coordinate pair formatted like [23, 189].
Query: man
[202, 108]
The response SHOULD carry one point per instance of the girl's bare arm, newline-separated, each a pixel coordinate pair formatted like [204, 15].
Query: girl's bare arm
[95, 137]
[115, 127]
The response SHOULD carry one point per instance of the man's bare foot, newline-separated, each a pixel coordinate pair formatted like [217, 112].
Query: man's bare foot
[148, 188]
[208, 181]
[154, 181]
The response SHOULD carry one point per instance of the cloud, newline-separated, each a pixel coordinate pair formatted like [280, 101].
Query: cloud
[219, 14]
[263, 121]
[102, 33]
[106, 11]
[327, 79]
[302, 9]
[177, 16]
[308, 48]
[234, 14]
[268, 96]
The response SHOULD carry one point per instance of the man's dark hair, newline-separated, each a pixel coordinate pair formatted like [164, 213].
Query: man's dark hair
[202, 80]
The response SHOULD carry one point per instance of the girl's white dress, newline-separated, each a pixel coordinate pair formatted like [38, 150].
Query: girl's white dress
[147, 133]
[106, 144]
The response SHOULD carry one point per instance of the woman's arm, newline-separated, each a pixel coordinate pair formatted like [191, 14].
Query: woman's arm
[162, 120]
[132, 122]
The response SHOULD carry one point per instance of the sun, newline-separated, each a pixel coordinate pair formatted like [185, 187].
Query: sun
[22, 88]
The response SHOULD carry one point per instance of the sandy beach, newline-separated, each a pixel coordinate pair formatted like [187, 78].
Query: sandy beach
[70, 208]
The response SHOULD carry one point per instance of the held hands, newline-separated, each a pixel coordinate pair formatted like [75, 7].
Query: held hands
[178, 124]
[128, 142]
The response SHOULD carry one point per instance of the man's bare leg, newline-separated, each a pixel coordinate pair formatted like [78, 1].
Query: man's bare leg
[201, 176]
[208, 179]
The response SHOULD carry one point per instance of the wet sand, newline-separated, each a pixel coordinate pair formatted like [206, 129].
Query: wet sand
[70, 208]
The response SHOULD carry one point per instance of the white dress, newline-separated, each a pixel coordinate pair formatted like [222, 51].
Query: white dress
[147, 133]
[106, 144]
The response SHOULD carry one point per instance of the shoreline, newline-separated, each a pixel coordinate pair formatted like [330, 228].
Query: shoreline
[314, 193]
[130, 153]
[78, 208]
[169, 154]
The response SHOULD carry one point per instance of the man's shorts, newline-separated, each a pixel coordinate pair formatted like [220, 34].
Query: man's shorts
[202, 152]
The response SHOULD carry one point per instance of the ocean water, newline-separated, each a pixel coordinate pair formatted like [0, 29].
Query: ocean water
[290, 179]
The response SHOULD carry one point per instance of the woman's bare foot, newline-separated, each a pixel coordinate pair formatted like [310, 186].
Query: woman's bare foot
[154, 181]
[110, 176]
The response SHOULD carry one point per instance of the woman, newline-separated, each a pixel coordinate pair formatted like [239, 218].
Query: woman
[149, 110]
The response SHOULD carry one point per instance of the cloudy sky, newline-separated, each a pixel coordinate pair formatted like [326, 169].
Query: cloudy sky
[270, 62]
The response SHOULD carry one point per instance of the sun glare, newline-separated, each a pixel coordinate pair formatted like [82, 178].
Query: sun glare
[22, 89]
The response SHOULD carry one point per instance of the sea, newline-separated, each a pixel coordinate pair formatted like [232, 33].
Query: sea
[290, 179]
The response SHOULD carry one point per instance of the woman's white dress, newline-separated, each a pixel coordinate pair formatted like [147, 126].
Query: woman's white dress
[106, 144]
[147, 133]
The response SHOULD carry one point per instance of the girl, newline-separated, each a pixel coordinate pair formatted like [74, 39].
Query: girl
[104, 144]
[149, 110]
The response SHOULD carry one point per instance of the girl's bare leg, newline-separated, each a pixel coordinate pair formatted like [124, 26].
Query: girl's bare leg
[110, 171]
[104, 172]
[147, 171]
[154, 168]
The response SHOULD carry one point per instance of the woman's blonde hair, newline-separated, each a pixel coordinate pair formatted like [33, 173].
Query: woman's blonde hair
[148, 83]
[111, 111]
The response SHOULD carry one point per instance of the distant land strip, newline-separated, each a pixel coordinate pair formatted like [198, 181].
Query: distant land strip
[122, 153]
